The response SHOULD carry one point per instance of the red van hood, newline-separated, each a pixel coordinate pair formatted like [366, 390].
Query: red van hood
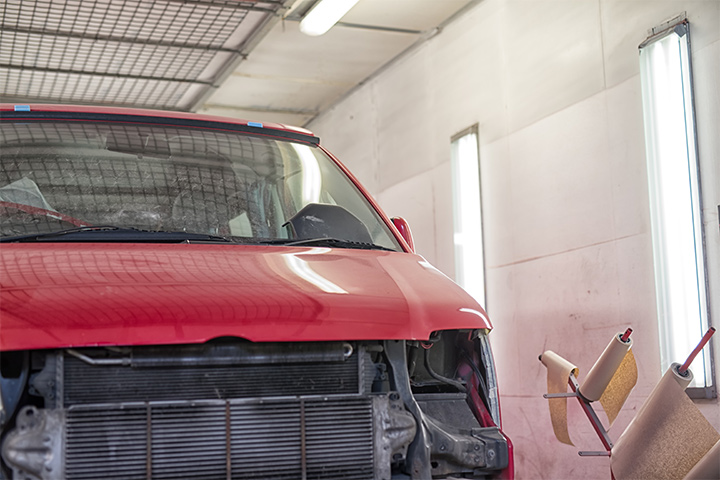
[72, 294]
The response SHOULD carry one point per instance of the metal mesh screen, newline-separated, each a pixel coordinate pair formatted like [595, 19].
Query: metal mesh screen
[281, 439]
[88, 384]
[145, 177]
[151, 53]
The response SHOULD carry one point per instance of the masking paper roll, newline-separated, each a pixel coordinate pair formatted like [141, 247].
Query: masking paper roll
[605, 367]
[668, 436]
[708, 468]
[622, 383]
[558, 372]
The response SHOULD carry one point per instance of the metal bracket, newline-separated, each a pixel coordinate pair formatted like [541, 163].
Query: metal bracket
[590, 412]
[418, 457]
[34, 449]
[594, 454]
[560, 395]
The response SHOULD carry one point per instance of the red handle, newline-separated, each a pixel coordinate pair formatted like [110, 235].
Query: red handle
[626, 335]
[703, 342]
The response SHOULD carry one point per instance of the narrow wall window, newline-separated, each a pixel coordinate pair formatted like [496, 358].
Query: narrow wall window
[467, 210]
[675, 203]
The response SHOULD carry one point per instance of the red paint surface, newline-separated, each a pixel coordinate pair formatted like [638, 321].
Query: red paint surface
[509, 472]
[403, 228]
[78, 294]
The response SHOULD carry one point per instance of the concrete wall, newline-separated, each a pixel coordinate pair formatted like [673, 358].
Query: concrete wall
[554, 86]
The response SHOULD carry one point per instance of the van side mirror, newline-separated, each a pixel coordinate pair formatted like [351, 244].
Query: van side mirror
[404, 228]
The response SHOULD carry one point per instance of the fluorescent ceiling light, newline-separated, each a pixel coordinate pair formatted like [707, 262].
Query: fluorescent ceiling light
[469, 256]
[324, 15]
[675, 204]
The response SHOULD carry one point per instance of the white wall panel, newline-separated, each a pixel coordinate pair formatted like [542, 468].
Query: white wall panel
[350, 133]
[571, 303]
[444, 222]
[414, 200]
[497, 190]
[552, 54]
[625, 25]
[467, 69]
[405, 131]
[626, 159]
[561, 182]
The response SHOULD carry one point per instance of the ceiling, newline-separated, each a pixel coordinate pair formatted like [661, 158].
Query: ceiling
[239, 58]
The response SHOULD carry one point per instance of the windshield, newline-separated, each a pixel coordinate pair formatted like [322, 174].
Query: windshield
[61, 175]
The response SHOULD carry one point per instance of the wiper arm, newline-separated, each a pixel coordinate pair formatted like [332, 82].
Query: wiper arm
[329, 242]
[60, 233]
[38, 236]
[112, 233]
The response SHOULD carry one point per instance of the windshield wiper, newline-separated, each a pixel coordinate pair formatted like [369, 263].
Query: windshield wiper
[111, 233]
[328, 242]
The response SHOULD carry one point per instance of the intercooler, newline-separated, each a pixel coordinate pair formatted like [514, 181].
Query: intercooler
[240, 439]
[210, 412]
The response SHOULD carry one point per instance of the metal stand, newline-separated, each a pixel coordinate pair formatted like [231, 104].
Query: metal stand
[590, 412]
[592, 416]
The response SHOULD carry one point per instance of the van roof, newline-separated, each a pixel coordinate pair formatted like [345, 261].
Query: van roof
[98, 113]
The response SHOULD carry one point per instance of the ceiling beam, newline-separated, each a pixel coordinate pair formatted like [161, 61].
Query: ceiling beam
[55, 100]
[237, 4]
[102, 74]
[379, 28]
[112, 38]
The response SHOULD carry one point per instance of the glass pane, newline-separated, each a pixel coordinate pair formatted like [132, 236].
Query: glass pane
[55, 175]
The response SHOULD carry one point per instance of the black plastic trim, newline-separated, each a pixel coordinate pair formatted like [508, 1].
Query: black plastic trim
[152, 120]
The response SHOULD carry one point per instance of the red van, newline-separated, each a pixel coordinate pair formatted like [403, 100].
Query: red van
[185, 296]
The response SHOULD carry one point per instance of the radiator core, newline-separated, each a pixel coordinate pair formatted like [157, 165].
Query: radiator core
[282, 438]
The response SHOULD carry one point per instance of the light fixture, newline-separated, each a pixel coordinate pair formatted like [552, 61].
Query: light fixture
[324, 15]
[675, 203]
[467, 209]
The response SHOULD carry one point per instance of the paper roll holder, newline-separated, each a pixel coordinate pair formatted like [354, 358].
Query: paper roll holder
[590, 412]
